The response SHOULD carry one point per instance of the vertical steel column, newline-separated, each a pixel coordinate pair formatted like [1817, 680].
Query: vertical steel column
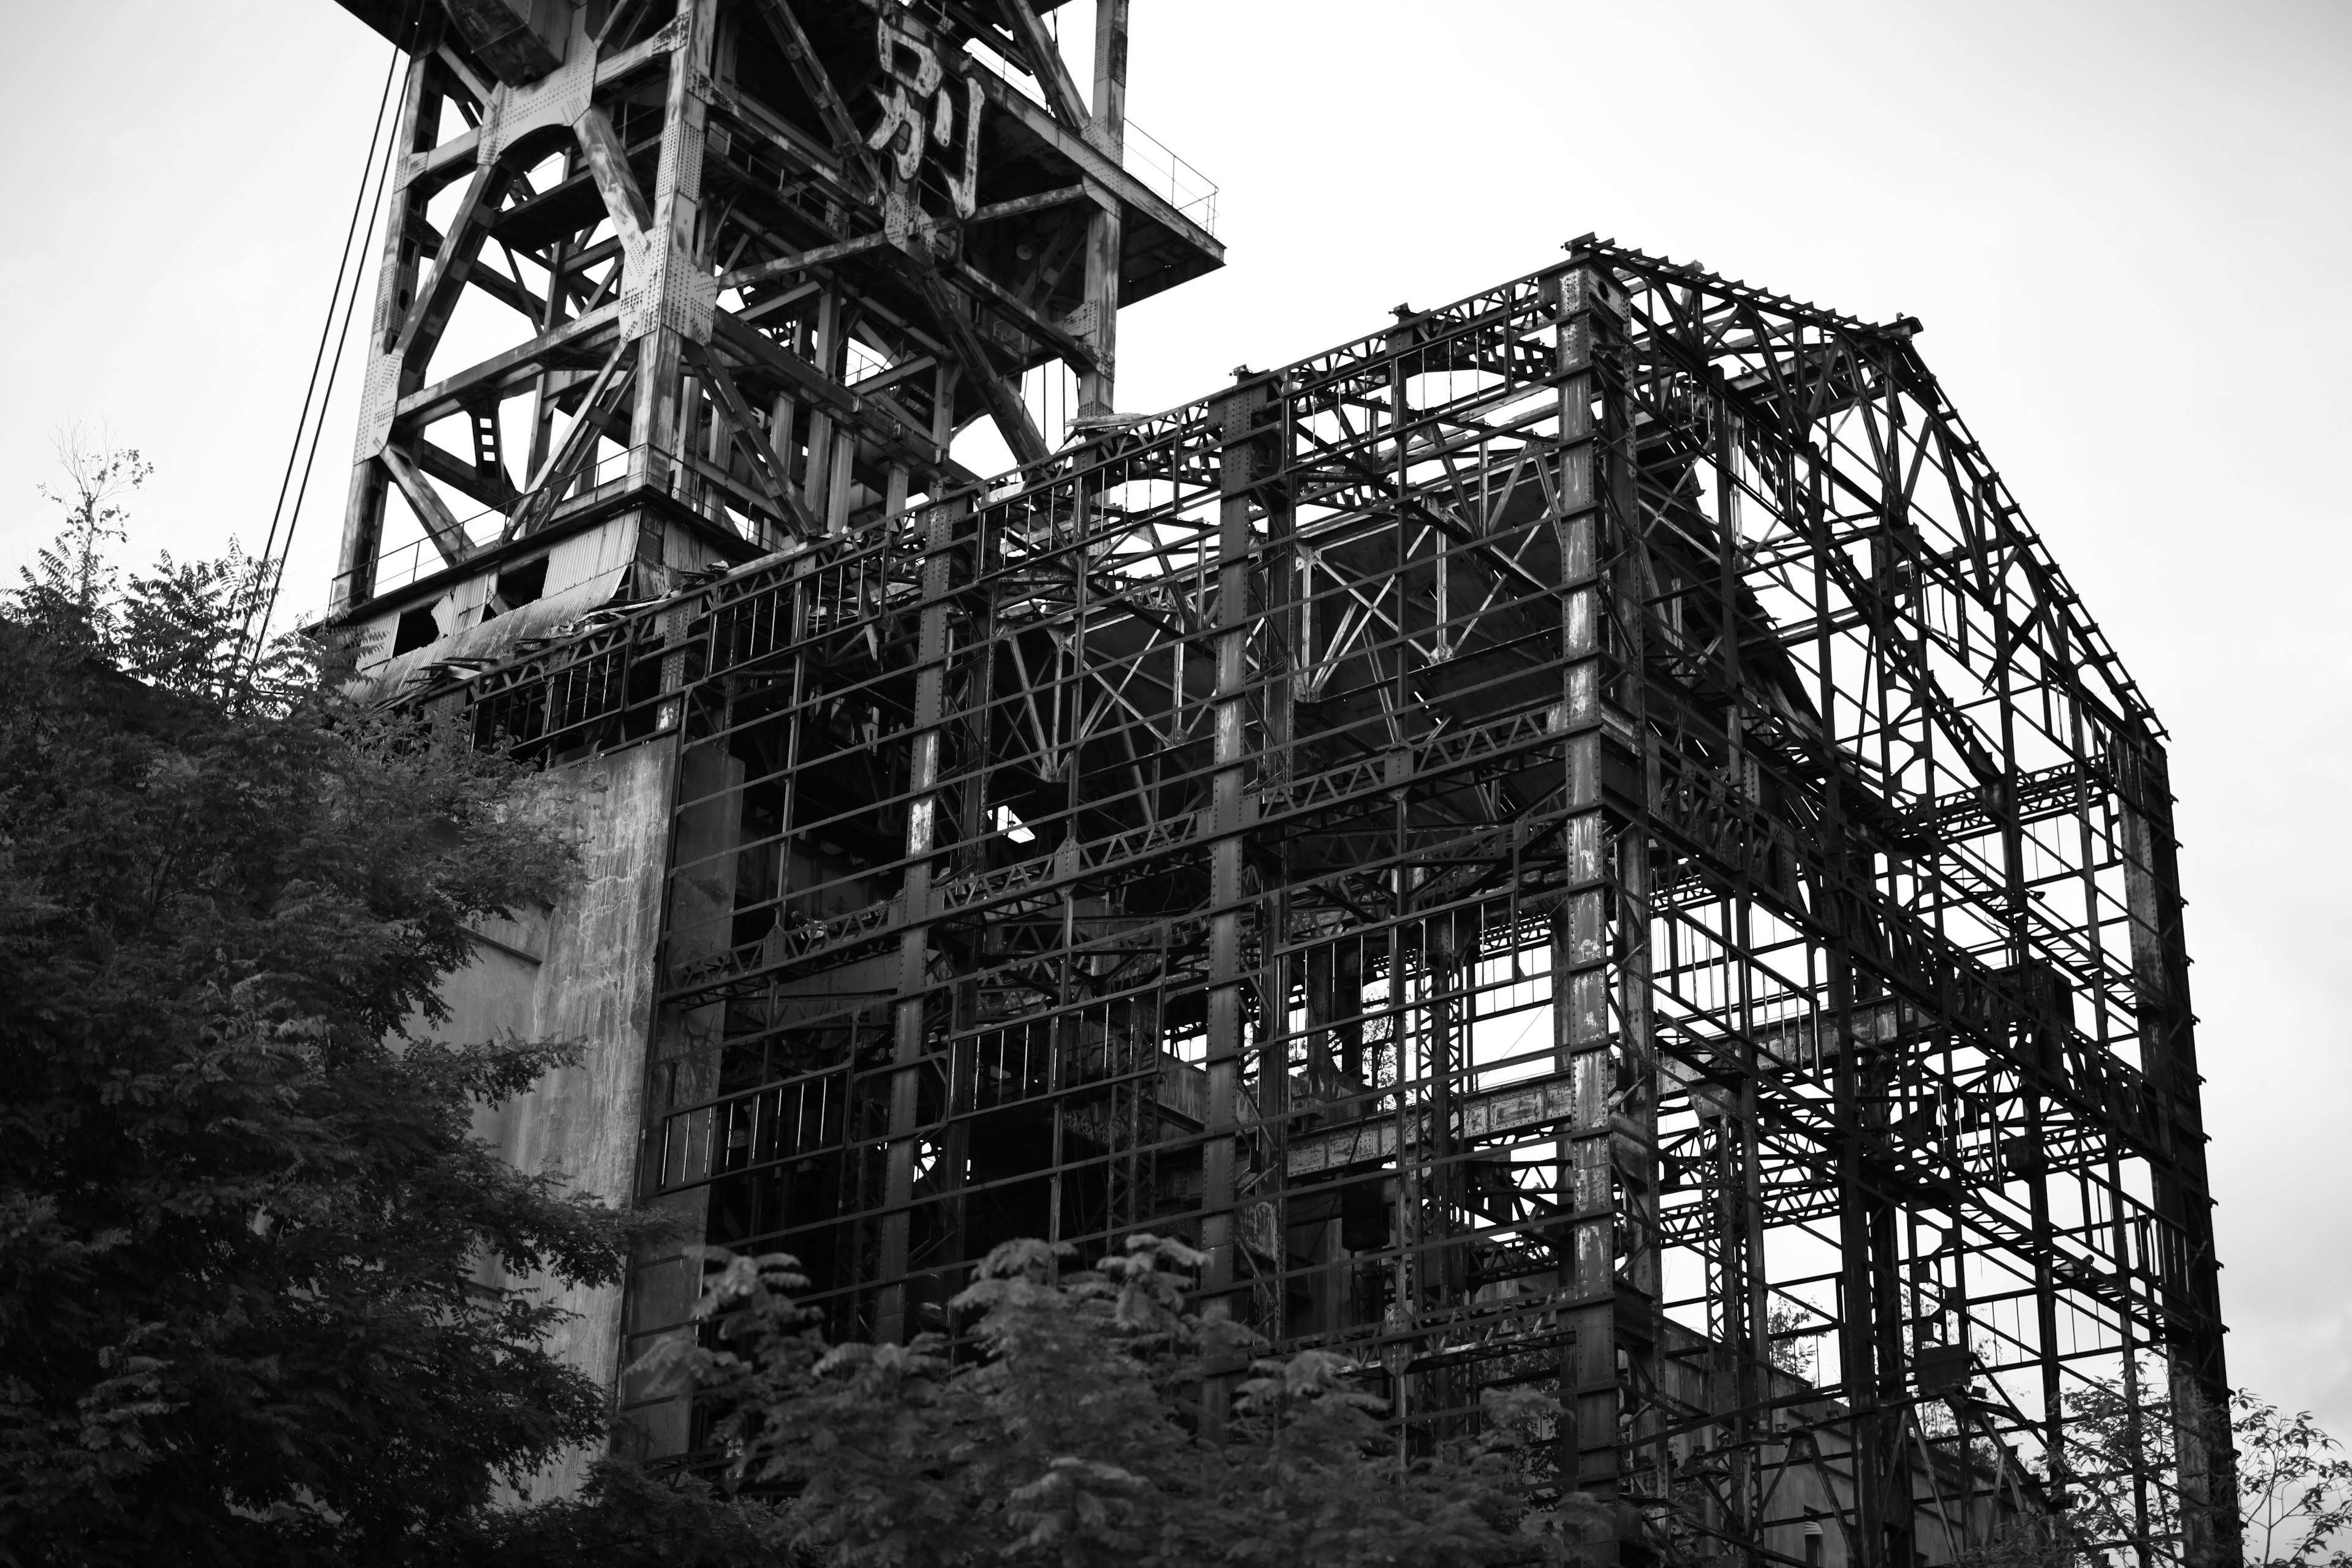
[2034, 1038]
[1069, 968]
[670, 290]
[1627, 588]
[910, 1013]
[1107, 129]
[821, 345]
[1281, 971]
[1412, 1153]
[1589, 1394]
[1746, 1306]
[549, 381]
[2192, 1280]
[1858, 1203]
[2135, 1426]
[968, 698]
[1238, 473]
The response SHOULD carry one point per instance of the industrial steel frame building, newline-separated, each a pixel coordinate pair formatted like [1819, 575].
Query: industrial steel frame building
[1580, 840]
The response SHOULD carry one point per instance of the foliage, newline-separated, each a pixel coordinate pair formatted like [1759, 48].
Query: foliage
[1791, 1335]
[240, 1204]
[1074, 1428]
[2294, 1486]
[2119, 1433]
[71, 587]
[624, 1517]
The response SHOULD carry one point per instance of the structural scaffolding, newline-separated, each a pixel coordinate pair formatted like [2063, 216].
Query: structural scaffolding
[1580, 840]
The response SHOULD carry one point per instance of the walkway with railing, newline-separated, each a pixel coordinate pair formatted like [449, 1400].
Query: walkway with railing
[1170, 178]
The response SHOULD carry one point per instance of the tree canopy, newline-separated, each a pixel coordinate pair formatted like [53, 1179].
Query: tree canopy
[2293, 1481]
[240, 1204]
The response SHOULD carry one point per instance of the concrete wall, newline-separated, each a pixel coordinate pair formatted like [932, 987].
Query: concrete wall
[684, 1070]
[581, 971]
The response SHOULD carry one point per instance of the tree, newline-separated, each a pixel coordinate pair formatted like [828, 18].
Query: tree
[71, 586]
[2294, 1485]
[626, 1515]
[1791, 1335]
[240, 1204]
[1068, 1430]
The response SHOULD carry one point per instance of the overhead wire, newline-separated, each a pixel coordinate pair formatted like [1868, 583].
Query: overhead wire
[373, 171]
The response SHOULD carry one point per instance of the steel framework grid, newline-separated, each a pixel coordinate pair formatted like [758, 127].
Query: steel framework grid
[1579, 839]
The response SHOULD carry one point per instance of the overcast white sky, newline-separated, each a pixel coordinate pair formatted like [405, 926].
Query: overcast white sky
[2125, 226]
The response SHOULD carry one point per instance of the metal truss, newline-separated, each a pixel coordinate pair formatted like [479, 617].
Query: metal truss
[1580, 840]
[714, 275]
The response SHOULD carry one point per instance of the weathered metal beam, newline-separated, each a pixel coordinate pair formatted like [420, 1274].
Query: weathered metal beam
[840, 126]
[507, 36]
[1013, 421]
[995, 297]
[545, 489]
[872, 418]
[1044, 59]
[799, 262]
[440, 524]
[576, 340]
[608, 163]
[767, 469]
[462, 477]
[460, 247]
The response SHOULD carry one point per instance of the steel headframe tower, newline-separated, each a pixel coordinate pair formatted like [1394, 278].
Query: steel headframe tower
[672, 284]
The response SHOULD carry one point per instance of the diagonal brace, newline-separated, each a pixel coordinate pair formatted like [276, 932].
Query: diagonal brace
[539, 497]
[839, 128]
[1020, 431]
[429, 315]
[1045, 64]
[766, 466]
[440, 524]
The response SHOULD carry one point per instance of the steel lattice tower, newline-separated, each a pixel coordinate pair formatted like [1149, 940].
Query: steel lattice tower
[710, 307]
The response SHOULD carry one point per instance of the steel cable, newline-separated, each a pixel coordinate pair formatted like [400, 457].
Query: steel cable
[373, 171]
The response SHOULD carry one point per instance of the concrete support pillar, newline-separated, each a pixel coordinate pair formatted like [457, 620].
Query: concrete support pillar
[682, 1068]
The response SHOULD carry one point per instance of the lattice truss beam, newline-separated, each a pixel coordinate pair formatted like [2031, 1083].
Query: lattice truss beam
[1580, 840]
[750, 264]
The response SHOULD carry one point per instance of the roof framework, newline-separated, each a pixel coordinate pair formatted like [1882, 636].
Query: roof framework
[1580, 839]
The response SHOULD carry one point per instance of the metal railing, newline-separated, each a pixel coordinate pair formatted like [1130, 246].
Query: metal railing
[398, 568]
[1182, 187]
